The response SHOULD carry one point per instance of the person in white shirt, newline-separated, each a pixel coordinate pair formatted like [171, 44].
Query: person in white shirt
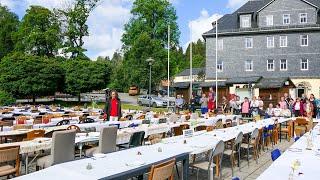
[270, 111]
[260, 103]
[277, 111]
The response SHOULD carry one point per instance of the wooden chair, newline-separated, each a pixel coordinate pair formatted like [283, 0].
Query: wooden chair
[34, 134]
[253, 143]
[200, 128]
[178, 131]
[74, 127]
[301, 124]
[287, 130]
[228, 123]
[162, 171]
[21, 120]
[7, 155]
[37, 120]
[46, 119]
[63, 122]
[219, 124]
[210, 128]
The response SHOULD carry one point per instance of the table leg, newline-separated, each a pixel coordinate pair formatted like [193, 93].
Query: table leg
[185, 170]
[80, 149]
[27, 158]
[280, 132]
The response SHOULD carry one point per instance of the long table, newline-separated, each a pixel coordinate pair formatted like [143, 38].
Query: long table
[308, 158]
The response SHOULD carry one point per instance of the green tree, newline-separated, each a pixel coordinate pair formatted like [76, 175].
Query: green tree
[76, 29]
[84, 76]
[8, 26]
[6, 99]
[39, 32]
[26, 75]
[198, 54]
[152, 17]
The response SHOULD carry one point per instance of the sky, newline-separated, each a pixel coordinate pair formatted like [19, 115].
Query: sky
[106, 22]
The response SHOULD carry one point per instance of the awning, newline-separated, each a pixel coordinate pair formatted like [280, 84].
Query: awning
[273, 83]
[212, 84]
[243, 80]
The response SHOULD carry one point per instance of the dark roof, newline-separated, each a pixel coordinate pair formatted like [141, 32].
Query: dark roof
[272, 83]
[181, 85]
[243, 80]
[213, 84]
[195, 71]
[230, 21]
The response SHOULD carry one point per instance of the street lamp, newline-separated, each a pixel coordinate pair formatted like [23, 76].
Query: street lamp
[150, 62]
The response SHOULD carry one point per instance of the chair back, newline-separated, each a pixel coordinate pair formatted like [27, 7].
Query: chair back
[21, 120]
[146, 121]
[74, 127]
[200, 128]
[228, 123]
[162, 120]
[238, 139]
[63, 122]
[185, 126]
[219, 124]
[136, 139]
[275, 154]
[301, 121]
[62, 149]
[210, 128]
[37, 133]
[46, 119]
[163, 171]
[255, 133]
[37, 120]
[108, 140]
[177, 131]
[10, 154]
[218, 153]
[218, 149]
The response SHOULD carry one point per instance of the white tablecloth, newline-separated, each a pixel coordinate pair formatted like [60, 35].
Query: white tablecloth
[309, 160]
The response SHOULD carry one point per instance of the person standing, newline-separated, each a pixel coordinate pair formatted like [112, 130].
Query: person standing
[204, 104]
[283, 103]
[212, 99]
[308, 106]
[113, 107]
[245, 107]
[298, 108]
[314, 105]
[179, 103]
[192, 104]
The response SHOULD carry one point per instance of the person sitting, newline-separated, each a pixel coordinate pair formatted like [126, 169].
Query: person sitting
[269, 111]
[277, 111]
[286, 112]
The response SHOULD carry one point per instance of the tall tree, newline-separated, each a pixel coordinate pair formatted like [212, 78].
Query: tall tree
[27, 75]
[76, 28]
[8, 26]
[198, 54]
[84, 76]
[39, 32]
[152, 17]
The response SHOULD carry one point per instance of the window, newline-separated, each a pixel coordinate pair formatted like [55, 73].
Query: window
[283, 41]
[304, 40]
[220, 66]
[303, 18]
[269, 20]
[220, 44]
[249, 65]
[270, 65]
[286, 19]
[270, 42]
[245, 22]
[249, 42]
[283, 65]
[304, 64]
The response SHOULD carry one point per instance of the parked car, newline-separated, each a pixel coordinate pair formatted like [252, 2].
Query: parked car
[133, 91]
[153, 100]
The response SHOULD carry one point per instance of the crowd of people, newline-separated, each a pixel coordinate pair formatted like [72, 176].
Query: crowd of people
[286, 107]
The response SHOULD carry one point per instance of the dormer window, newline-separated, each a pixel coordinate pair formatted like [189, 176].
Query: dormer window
[269, 20]
[245, 21]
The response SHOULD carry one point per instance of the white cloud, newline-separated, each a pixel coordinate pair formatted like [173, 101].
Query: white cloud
[201, 25]
[9, 3]
[234, 4]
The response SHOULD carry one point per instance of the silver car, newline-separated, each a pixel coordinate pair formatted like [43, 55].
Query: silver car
[153, 100]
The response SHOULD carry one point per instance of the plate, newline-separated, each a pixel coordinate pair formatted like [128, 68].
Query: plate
[99, 155]
[135, 163]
